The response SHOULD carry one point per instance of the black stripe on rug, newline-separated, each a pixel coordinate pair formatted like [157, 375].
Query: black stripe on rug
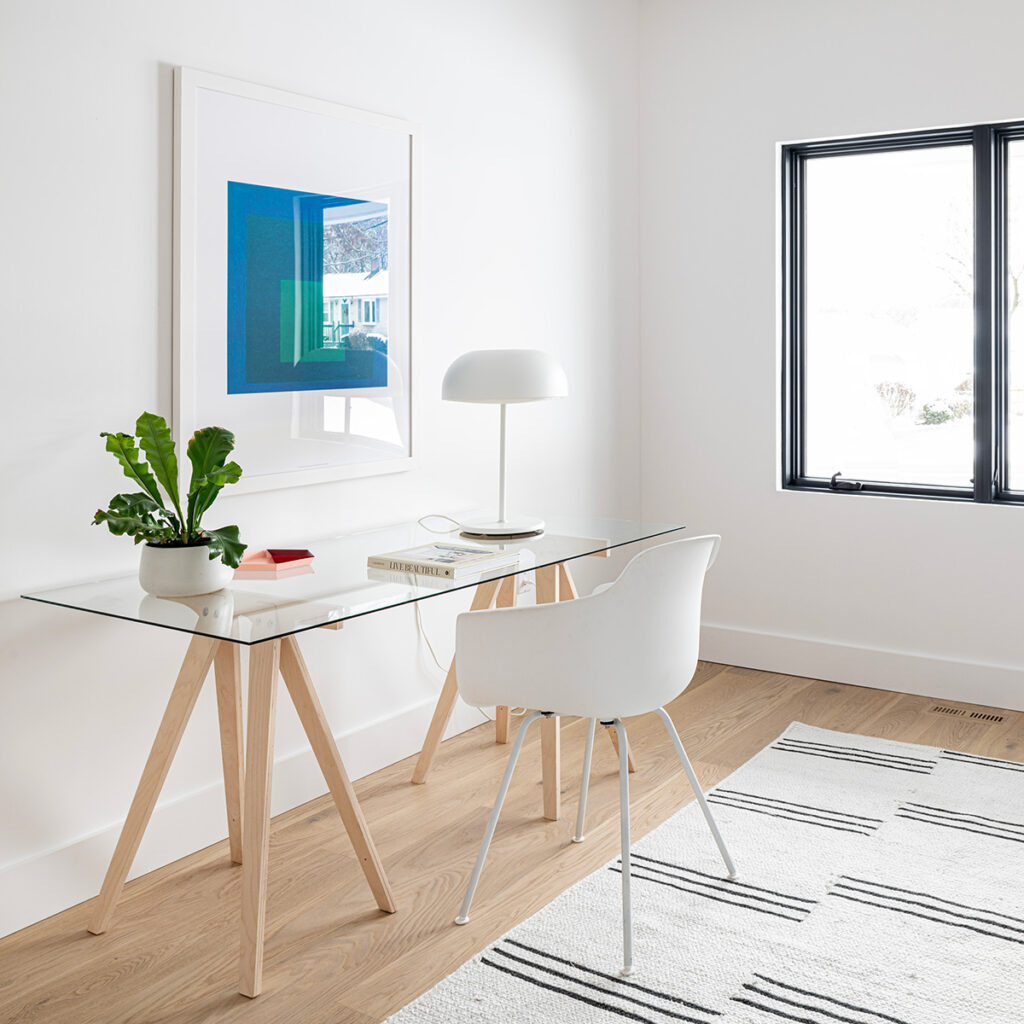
[592, 1000]
[787, 817]
[965, 814]
[928, 895]
[579, 997]
[928, 917]
[866, 891]
[716, 878]
[979, 757]
[789, 803]
[873, 755]
[774, 1013]
[868, 755]
[590, 986]
[827, 999]
[962, 827]
[610, 977]
[636, 875]
[720, 888]
[920, 761]
[810, 817]
[982, 762]
[830, 1014]
[853, 759]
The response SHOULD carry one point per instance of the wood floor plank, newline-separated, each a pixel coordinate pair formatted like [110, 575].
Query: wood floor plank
[331, 958]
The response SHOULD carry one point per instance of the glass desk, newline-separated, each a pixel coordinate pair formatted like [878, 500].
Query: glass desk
[266, 616]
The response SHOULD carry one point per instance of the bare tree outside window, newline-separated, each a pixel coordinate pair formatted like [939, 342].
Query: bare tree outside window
[898, 397]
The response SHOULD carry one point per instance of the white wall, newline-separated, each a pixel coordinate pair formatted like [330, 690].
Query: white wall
[529, 189]
[917, 595]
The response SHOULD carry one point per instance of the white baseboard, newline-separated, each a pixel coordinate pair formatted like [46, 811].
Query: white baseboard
[1000, 686]
[53, 880]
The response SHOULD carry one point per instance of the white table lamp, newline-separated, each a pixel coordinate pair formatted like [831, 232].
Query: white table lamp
[502, 377]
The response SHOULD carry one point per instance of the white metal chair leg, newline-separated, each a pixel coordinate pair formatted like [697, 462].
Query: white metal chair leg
[730, 866]
[492, 822]
[627, 903]
[588, 753]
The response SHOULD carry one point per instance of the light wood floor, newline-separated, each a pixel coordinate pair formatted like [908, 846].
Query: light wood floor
[331, 957]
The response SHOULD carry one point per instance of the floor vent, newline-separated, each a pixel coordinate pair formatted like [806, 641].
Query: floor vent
[975, 716]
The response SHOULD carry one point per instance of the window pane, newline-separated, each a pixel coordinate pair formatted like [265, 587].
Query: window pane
[1014, 326]
[889, 321]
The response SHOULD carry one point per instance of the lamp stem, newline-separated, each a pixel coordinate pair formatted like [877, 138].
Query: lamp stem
[502, 474]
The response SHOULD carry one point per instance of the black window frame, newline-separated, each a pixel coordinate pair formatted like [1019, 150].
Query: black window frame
[989, 143]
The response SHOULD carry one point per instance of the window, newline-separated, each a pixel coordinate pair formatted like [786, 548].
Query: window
[369, 311]
[903, 274]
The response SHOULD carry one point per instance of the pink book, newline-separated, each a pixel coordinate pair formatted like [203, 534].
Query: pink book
[273, 574]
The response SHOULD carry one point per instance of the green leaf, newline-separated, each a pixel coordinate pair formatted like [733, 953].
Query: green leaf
[138, 516]
[208, 448]
[122, 447]
[229, 473]
[121, 525]
[209, 487]
[156, 441]
[141, 505]
[224, 544]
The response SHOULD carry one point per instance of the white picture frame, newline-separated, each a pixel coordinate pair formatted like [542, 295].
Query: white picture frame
[234, 134]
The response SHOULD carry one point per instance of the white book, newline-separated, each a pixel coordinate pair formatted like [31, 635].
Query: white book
[445, 559]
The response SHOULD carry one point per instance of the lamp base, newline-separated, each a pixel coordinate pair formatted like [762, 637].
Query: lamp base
[515, 526]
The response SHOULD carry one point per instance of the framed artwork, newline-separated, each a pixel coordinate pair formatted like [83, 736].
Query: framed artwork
[293, 280]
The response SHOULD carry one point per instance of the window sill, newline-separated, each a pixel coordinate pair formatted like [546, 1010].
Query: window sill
[878, 490]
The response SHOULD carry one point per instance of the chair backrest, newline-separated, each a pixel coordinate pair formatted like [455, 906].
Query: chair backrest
[652, 617]
[627, 649]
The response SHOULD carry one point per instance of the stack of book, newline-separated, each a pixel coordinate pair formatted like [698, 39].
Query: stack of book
[274, 564]
[444, 559]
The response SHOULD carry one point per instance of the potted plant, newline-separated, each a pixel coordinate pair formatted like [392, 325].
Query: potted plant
[181, 558]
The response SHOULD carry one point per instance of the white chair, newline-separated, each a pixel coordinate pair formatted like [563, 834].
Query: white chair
[628, 649]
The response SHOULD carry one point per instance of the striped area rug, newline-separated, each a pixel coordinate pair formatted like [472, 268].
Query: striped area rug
[880, 883]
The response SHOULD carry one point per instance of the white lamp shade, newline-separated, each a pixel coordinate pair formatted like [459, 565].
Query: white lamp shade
[504, 375]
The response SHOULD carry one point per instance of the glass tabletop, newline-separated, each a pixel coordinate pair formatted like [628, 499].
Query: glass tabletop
[340, 586]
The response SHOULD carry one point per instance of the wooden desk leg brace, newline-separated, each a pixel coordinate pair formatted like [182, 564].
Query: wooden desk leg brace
[248, 834]
[554, 583]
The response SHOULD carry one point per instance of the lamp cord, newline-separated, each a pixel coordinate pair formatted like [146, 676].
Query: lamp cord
[433, 654]
[515, 712]
[524, 584]
[422, 521]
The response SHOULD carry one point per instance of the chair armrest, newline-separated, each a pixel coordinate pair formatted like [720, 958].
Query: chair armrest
[527, 656]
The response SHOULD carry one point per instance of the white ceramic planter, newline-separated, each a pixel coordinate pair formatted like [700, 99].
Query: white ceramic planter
[181, 572]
